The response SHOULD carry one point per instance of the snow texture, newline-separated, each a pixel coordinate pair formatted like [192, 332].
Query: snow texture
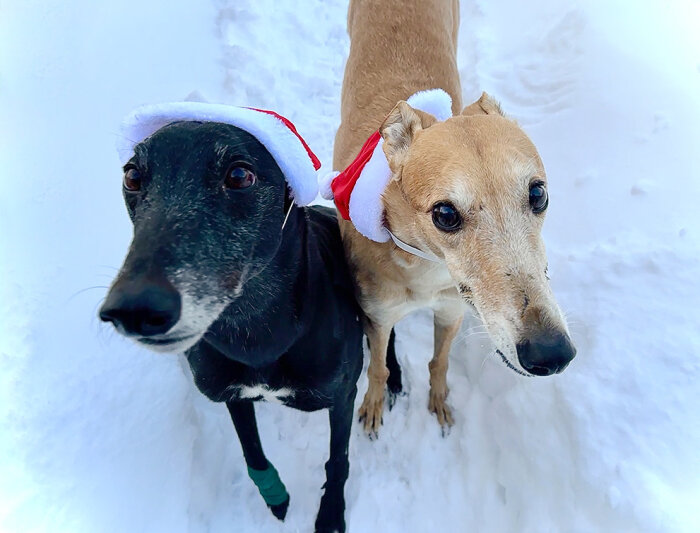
[99, 435]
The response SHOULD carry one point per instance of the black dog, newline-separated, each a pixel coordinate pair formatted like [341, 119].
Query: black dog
[262, 311]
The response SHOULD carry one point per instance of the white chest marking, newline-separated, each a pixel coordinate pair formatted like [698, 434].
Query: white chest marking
[267, 394]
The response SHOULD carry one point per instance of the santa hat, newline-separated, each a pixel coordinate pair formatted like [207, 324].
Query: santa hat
[277, 134]
[357, 190]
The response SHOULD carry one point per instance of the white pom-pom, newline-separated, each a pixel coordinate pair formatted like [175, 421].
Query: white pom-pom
[324, 184]
[434, 101]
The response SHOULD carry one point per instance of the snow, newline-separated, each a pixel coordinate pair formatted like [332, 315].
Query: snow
[99, 435]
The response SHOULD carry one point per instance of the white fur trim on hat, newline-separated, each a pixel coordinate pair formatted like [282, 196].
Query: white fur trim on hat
[366, 205]
[434, 101]
[284, 146]
[324, 184]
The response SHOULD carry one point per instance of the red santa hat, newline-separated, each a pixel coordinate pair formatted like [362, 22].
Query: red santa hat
[357, 190]
[277, 134]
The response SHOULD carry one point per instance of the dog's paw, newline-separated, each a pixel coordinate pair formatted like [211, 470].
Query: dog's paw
[393, 381]
[392, 397]
[394, 389]
[330, 524]
[371, 415]
[330, 529]
[438, 406]
[331, 513]
[280, 510]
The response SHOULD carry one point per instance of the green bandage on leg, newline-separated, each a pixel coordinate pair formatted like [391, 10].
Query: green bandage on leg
[269, 484]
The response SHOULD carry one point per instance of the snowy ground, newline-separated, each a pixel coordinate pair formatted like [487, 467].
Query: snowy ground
[99, 435]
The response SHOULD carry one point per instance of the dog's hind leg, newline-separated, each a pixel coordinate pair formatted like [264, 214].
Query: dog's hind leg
[446, 323]
[393, 382]
[332, 510]
[260, 470]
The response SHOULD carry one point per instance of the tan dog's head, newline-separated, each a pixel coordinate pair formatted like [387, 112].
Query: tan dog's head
[473, 190]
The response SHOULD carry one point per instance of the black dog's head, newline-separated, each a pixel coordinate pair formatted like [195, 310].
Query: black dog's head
[207, 201]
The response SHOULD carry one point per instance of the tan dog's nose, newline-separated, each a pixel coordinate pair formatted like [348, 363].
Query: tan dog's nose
[546, 352]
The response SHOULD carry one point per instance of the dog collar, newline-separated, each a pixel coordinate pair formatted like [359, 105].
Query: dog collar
[413, 250]
[357, 190]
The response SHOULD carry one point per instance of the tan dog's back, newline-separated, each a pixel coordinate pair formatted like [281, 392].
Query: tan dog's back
[386, 65]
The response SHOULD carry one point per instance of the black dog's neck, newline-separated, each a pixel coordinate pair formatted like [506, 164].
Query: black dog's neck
[277, 279]
[270, 300]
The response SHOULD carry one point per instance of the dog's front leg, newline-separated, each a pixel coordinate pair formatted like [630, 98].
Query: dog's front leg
[373, 402]
[260, 470]
[446, 323]
[332, 510]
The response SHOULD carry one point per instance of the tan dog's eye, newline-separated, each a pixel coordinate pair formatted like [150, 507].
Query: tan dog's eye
[539, 200]
[446, 217]
[132, 179]
[238, 177]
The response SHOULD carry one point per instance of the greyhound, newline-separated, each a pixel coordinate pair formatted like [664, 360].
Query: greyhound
[225, 267]
[443, 207]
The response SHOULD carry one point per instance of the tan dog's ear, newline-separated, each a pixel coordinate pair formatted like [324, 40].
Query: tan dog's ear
[398, 131]
[485, 105]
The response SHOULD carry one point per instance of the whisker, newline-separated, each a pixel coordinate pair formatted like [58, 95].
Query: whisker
[464, 336]
[81, 291]
[474, 328]
[483, 362]
[118, 134]
[108, 266]
[473, 334]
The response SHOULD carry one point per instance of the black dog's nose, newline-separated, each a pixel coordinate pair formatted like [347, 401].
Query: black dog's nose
[143, 307]
[548, 352]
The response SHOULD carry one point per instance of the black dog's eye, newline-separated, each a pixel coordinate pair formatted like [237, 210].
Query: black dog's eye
[132, 179]
[238, 177]
[538, 197]
[446, 217]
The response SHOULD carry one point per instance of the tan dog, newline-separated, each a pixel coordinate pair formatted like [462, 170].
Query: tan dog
[470, 190]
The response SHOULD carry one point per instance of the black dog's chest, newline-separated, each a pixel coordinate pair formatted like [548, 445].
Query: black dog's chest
[262, 392]
[224, 379]
[300, 397]
[258, 344]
